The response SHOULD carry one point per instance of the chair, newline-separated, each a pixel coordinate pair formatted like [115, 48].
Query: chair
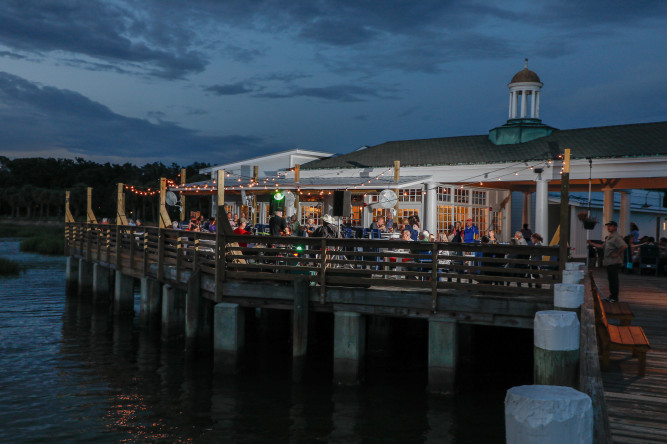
[648, 258]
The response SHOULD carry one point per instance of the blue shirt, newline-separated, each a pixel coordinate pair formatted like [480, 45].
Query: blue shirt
[470, 234]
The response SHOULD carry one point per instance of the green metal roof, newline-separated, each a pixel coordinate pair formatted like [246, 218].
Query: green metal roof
[636, 140]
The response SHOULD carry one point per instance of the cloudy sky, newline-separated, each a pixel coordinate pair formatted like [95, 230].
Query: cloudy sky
[216, 81]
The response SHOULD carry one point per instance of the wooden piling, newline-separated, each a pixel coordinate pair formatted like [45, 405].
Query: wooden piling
[556, 350]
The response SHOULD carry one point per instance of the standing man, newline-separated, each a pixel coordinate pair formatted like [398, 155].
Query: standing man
[613, 249]
[470, 233]
[277, 224]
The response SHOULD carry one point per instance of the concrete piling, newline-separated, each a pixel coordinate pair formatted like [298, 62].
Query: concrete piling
[228, 337]
[442, 355]
[151, 302]
[172, 314]
[543, 414]
[123, 301]
[349, 347]
[101, 284]
[85, 277]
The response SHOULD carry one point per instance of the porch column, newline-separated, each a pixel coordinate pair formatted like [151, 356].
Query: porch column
[525, 216]
[430, 221]
[327, 204]
[624, 217]
[607, 209]
[542, 207]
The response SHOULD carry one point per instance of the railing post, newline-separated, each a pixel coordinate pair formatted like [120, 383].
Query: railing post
[119, 247]
[434, 277]
[160, 254]
[195, 257]
[564, 211]
[179, 254]
[145, 258]
[132, 240]
[219, 237]
[323, 268]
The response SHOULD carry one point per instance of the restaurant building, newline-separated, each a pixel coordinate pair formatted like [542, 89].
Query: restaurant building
[491, 178]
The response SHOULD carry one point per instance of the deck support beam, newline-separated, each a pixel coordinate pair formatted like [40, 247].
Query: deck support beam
[349, 347]
[228, 337]
[123, 297]
[151, 302]
[443, 350]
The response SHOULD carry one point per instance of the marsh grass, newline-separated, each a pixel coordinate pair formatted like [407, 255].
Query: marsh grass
[9, 267]
[43, 244]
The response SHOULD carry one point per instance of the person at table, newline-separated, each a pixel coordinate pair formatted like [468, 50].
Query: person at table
[295, 226]
[230, 218]
[277, 224]
[328, 228]
[379, 224]
[390, 222]
[519, 239]
[309, 228]
[492, 237]
[241, 229]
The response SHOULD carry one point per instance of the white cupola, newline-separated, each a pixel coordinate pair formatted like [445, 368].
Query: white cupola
[525, 85]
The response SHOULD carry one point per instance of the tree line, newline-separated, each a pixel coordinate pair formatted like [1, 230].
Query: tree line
[35, 187]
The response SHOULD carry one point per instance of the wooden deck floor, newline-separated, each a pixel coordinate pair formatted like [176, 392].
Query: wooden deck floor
[637, 407]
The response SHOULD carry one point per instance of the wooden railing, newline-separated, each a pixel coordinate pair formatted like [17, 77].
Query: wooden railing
[325, 262]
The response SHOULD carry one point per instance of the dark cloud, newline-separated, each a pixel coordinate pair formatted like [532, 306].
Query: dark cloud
[231, 89]
[110, 32]
[338, 93]
[37, 118]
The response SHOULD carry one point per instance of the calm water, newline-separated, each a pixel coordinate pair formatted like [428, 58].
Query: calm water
[71, 374]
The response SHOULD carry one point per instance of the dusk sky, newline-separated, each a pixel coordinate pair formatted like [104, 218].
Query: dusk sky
[218, 81]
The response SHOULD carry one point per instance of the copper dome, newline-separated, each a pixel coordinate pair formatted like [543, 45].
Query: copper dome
[525, 75]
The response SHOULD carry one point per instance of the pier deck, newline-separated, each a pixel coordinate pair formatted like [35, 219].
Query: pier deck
[637, 407]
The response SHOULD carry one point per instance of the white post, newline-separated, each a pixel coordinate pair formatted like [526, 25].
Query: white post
[568, 296]
[624, 216]
[544, 414]
[542, 206]
[430, 221]
[523, 103]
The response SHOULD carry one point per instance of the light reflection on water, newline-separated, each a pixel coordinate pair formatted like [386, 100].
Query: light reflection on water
[71, 373]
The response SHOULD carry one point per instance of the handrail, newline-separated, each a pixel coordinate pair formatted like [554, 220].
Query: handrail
[590, 376]
[432, 266]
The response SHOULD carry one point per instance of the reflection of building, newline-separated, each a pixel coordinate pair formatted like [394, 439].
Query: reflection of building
[450, 179]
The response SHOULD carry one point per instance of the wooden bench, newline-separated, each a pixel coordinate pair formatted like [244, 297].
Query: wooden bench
[619, 337]
[613, 310]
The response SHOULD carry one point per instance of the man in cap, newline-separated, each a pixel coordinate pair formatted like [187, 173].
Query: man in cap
[470, 233]
[613, 249]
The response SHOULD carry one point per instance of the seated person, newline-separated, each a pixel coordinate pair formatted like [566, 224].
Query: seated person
[379, 225]
[241, 229]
